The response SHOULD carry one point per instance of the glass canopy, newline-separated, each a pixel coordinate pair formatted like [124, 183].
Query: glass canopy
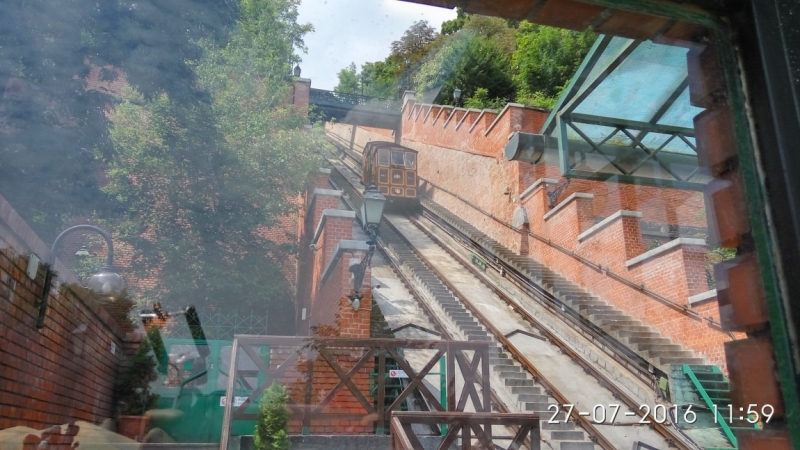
[626, 115]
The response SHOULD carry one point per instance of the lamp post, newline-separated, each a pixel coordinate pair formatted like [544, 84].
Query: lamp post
[371, 216]
[106, 282]
[456, 96]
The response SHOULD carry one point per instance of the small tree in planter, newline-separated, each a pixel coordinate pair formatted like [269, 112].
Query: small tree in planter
[273, 420]
[133, 394]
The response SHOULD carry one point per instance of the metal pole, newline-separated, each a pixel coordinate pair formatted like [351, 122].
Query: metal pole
[51, 260]
[443, 390]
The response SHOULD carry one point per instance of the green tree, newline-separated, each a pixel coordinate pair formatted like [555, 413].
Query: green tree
[272, 425]
[133, 393]
[415, 42]
[348, 80]
[378, 79]
[200, 184]
[481, 100]
[467, 61]
[546, 58]
[452, 26]
[53, 126]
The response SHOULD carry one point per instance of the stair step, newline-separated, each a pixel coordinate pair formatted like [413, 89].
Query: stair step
[576, 446]
[566, 435]
[656, 347]
[533, 398]
[519, 390]
[514, 375]
[668, 360]
[537, 407]
[560, 426]
[506, 368]
[517, 382]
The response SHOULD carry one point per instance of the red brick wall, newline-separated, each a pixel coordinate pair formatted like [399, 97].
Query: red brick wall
[330, 314]
[66, 370]
[453, 167]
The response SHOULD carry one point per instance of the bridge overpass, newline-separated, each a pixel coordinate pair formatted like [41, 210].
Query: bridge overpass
[356, 109]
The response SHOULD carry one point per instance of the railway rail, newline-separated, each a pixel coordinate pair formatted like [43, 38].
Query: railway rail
[608, 344]
[441, 328]
[671, 435]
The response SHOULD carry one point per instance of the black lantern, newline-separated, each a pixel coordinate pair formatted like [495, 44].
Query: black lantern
[456, 95]
[297, 70]
[372, 208]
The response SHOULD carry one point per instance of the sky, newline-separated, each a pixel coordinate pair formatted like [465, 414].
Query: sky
[357, 31]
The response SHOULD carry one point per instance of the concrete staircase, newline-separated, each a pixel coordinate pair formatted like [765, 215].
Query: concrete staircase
[644, 341]
[529, 395]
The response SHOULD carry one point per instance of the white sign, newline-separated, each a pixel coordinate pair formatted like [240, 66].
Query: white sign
[237, 401]
[397, 374]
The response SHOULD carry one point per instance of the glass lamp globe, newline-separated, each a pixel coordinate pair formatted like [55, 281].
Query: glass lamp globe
[106, 283]
[372, 207]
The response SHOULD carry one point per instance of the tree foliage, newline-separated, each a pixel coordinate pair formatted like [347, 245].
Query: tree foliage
[52, 125]
[199, 185]
[272, 425]
[349, 82]
[468, 61]
[545, 60]
[491, 60]
[133, 395]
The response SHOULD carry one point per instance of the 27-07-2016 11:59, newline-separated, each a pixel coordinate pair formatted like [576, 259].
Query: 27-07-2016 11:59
[659, 413]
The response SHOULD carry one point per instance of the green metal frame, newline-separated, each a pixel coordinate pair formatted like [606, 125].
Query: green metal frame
[755, 193]
[621, 126]
[706, 398]
[762, 237]
[581, 87]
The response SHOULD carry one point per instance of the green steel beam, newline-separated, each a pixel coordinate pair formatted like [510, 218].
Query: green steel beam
[643, 126]
[616, 60]
[577, 80]
[632, 179]
[670, 100]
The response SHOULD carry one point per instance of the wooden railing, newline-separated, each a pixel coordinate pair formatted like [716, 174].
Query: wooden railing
[305, 355]
[473, 429]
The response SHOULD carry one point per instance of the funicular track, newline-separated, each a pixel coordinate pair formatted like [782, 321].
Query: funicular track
[392, 237]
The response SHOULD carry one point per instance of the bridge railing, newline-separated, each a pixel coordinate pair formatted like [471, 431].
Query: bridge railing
[473, 429]
[318, 96]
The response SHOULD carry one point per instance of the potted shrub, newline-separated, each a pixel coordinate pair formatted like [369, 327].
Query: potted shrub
[272, 425]
[133, 394]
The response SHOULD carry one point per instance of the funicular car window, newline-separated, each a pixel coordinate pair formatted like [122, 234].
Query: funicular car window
[383, 157]
[411, 160]
[398, 158]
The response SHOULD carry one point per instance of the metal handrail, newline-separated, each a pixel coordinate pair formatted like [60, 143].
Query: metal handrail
[317, 95]
[707, 399]
[599, 267]
[467, 426]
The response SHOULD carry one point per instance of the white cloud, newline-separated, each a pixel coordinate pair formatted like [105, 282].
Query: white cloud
[356, 31]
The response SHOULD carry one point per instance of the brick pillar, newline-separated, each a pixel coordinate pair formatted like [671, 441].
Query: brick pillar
[632, 236]
[302, 93]
[569, 219]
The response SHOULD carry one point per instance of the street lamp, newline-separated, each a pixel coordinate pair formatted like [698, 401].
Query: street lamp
[372, 209]
[297, 70]
[456, 95]
[371, 216]
[105, 283]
